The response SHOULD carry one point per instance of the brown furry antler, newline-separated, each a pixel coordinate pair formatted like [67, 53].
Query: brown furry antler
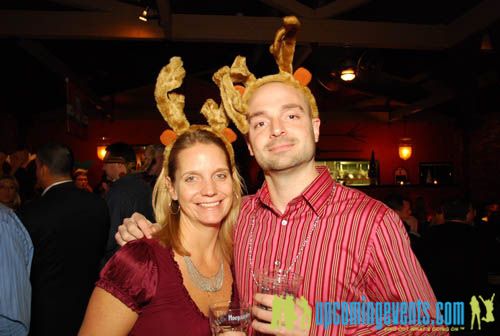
[171, 105]
[285, 39]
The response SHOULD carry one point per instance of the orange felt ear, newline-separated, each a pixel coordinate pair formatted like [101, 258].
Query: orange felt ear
[303, 76]
[229, 135]
[240, 89]
[168, 137]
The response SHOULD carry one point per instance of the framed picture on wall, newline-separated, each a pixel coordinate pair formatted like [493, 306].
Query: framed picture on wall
[401, 176]
[349, 172]
[436, 173]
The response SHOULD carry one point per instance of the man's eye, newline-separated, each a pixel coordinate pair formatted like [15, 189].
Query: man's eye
[259, 124]
[293, 116]
[189, 179]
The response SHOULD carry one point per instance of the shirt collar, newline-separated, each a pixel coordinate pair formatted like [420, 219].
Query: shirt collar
[54, 184]
[315, 194]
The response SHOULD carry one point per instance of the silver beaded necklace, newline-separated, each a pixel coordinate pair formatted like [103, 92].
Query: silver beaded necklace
[301, 248]
[212, 284]
[294, 260]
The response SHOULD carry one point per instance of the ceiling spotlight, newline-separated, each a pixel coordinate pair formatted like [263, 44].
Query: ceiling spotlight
[348, 74]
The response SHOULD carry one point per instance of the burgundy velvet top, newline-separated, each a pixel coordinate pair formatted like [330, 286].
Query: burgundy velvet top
[145, 277]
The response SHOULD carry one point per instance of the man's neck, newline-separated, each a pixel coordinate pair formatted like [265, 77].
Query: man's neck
[55, 179]
[287, 184]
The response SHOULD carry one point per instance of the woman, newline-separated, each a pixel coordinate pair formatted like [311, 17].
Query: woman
[164, 286]
[9, 192]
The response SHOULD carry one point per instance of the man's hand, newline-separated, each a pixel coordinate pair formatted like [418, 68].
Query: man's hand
[135, 228]
[292, 317]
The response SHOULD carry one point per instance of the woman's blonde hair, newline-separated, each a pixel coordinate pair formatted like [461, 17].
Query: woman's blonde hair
[162, 201]
[16, 202]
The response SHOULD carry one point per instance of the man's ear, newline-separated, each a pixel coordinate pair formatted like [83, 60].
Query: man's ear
[171, 189]
[316, 122]
[249, 146]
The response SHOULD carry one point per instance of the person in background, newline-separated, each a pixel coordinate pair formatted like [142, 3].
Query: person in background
[129, 193]
[402, 207]
[4, 165]
[16, 253]
[64, 270]
[23, 169]
[454, 254]
[81, 179]
[9, 192]
[153, 163]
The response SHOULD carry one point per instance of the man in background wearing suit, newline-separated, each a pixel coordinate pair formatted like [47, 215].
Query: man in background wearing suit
[64, 269]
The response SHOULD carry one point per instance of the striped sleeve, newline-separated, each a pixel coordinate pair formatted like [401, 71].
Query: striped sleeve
[394, 273]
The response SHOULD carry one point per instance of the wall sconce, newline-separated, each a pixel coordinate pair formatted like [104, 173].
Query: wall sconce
[347, 74]
[147, 14]
[101, 152]
[405, 148]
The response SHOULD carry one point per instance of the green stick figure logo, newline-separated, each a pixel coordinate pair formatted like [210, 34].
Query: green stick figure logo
[476, 310]
[285, 312]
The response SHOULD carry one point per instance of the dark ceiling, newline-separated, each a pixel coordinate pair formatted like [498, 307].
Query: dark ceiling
[412, 56]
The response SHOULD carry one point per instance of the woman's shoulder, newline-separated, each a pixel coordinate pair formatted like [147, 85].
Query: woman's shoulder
[145, 248]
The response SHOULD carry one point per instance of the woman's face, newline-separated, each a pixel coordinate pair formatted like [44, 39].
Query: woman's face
[7, 191]
[203, 185]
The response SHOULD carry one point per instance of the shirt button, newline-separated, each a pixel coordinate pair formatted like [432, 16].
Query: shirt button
[277, 263]
[284, 222]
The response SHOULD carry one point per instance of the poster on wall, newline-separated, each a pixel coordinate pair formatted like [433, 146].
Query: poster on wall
[77, 104]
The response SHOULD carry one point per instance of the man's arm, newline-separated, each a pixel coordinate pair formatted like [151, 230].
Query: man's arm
[135, 227]
[395, 274]
[16, 253]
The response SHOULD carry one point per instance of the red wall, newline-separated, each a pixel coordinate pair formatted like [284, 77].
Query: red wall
[437, 141]
[433, 141]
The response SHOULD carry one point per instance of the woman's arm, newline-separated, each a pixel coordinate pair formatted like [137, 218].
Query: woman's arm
[106, 315]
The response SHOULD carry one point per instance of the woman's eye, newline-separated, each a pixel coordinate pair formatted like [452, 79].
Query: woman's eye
[221, 176]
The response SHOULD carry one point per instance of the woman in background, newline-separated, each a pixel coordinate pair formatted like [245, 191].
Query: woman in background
[9, 192]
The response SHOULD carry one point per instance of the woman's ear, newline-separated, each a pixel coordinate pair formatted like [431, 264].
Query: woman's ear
[171, 188]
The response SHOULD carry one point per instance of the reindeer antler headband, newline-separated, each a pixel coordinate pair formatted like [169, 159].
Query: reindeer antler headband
[235, 97]
[171, 106]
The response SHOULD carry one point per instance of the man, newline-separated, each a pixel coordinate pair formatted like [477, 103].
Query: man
[81, 179]
[455, 254]
[16, 253]
[64, 270]
[402, 207]
[347, 246]
[153, 163]
[23, 169]
[129, 193]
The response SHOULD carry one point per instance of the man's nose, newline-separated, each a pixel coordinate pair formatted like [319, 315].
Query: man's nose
[277, 128]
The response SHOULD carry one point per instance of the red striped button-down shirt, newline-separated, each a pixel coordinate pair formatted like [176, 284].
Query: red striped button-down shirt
[359, 249]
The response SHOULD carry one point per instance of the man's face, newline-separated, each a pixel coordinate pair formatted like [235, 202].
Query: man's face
[114, 170]
[282, 134]
[405, 211]
[81, 181]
